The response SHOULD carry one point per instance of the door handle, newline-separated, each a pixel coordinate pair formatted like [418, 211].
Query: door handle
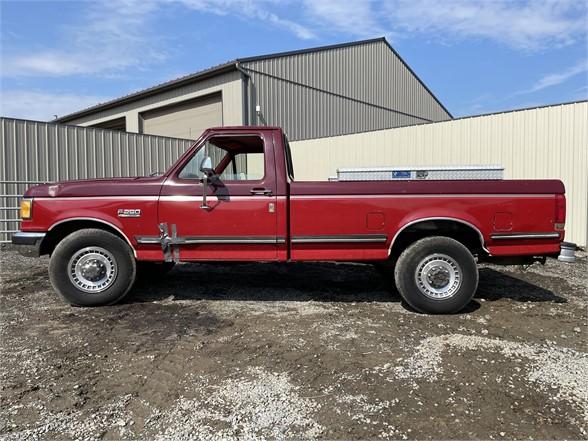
[260, 192]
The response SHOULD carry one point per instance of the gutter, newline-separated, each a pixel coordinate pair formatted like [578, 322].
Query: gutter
[245, 78]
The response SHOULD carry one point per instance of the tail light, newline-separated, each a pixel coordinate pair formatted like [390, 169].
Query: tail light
[560, 212]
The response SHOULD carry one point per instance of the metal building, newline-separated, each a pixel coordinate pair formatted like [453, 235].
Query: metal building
[312, 93]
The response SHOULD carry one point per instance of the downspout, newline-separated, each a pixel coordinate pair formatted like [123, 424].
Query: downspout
[245, 77]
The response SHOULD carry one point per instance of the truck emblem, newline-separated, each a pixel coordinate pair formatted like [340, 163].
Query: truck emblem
[129, 212]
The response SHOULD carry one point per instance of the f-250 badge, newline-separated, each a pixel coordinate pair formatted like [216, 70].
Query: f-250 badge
[129, 212]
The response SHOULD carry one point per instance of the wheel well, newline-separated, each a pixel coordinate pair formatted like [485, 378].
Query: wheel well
[464, 233]
[60, 231]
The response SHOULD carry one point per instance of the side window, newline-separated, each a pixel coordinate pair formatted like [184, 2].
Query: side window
[192, 168]
[244, 167]
[234, 158]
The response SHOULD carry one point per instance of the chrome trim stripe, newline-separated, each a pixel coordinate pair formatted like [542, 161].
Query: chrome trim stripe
[155, 198]
[29, 235]
[93, 198]
[355, 238]
[507, 236]
[148, 240]
[226, 240]
[222, 198]
[424, 195]
[198, 240]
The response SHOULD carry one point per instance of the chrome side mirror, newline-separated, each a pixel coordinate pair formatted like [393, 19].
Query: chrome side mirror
[206, 167]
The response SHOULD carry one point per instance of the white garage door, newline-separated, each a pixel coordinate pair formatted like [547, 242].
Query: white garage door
[185, 120]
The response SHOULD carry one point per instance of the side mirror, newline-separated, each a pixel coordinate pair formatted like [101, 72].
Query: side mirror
[206, 167]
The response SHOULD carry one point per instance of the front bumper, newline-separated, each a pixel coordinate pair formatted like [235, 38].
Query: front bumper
[28, 244]
[567, 252]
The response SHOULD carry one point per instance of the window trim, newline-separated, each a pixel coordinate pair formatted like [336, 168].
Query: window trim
[229, 182]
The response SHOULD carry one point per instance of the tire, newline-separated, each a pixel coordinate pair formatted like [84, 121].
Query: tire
[153, 270]
[436, 275]
[106, 278]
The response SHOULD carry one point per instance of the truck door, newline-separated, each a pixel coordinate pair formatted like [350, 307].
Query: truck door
[238, 220]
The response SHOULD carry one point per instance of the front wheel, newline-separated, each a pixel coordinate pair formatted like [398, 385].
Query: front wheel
[436, 275]
[92, 267]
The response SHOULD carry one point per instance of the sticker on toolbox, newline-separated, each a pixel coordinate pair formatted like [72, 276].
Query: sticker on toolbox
[401, 174]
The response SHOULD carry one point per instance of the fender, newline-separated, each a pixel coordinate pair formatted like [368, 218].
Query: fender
[94, 219]
[417, 220]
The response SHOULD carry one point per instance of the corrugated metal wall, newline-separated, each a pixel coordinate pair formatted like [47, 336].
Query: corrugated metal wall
[32, 151]
[338, 91]
[547, 142]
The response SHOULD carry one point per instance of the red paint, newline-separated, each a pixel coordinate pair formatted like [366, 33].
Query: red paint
[300, 209]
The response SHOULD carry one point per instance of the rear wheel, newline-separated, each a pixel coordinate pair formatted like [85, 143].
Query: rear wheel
[436, 275]
[92, 267]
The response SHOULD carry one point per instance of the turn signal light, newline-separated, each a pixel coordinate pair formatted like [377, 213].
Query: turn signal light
[26, 208]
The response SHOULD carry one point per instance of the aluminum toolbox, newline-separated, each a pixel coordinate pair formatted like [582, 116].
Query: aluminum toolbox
[462, 172]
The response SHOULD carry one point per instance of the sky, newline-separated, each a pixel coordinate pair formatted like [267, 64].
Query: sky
[483, 56]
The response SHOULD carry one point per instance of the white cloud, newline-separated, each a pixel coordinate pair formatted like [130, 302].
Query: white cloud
[113, 36]
[252, 9]
[529, 25]
[352, 17]
[554, 79]
[110, 37]
[43, 106]
[557, 78]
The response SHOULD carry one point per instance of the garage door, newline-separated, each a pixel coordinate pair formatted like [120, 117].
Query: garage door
[185, 120]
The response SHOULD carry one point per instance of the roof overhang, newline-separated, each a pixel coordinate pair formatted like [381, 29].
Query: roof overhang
[155, 90]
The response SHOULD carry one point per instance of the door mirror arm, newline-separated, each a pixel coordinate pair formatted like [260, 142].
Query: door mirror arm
[209, 173]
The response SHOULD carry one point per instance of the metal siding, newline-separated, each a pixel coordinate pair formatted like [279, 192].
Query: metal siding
[369, 72]
[32, 151]
[542, 143]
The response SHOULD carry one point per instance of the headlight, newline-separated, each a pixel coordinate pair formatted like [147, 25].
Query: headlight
[26, 209]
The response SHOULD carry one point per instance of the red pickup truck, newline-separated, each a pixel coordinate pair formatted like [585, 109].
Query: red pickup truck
[233, 196]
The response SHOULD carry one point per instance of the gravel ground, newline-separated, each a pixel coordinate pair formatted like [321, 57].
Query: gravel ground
[268, 351]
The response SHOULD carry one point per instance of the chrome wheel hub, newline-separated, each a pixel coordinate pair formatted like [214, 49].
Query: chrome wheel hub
[92, 269]
[438, 276]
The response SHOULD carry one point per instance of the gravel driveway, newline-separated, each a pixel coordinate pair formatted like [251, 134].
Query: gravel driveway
[268, 351]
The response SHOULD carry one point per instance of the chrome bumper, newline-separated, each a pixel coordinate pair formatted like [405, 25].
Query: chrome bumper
[28, 244]
[567, 252]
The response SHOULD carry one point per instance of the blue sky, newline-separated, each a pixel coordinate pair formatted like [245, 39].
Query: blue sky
[476, 56]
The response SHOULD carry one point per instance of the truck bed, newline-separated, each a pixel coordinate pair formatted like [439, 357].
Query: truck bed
[371, 211]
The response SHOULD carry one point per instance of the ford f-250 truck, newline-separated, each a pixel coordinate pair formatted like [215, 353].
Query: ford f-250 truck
[233, 196]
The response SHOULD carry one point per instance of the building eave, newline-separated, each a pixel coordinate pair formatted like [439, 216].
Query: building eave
[164, 87]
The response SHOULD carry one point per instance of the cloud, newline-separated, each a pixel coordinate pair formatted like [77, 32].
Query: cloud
[43, 106]
[527, 25]
[252, 9]
[109, 38]
[113, 36]
[554, 79]
[351, 17]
